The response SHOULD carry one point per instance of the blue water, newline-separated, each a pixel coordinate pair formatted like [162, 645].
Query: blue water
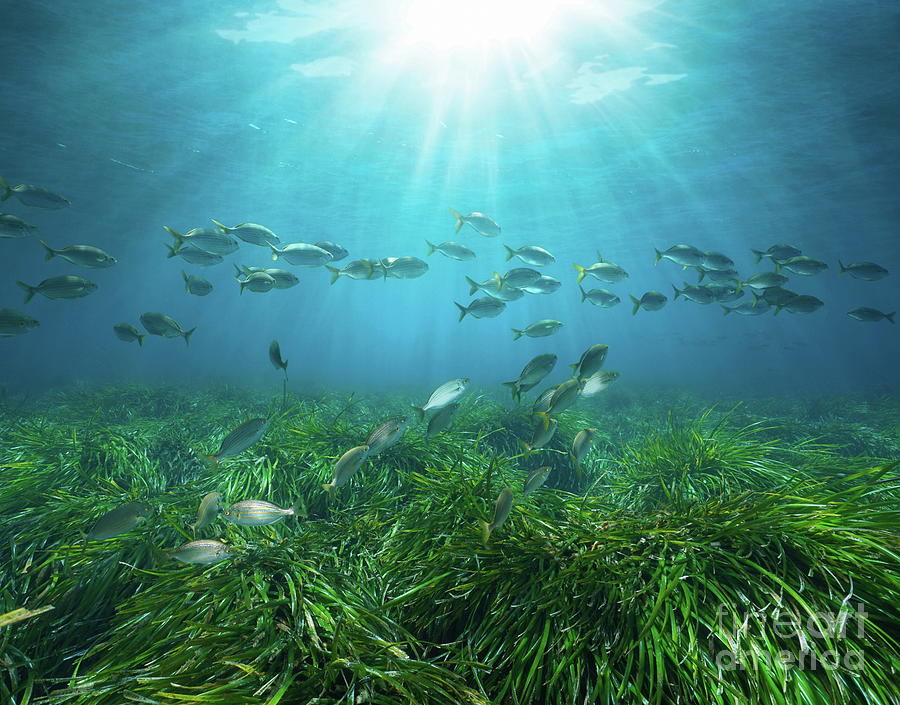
[726, 126]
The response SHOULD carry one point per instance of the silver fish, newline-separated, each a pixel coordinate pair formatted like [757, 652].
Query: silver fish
[64, 287]
[716, 260]
[302, 254]
[747, 309]
[119, 520]
[597, 382]
[801, 304]
[564, 396]
[805, 266]
[502, 508]
[283, 278]
[404, 267]
[195, 284]
[517, 278]
[259, 282]
[685, 255]
[582, 444]
[256, 512]
[719, 276]
[867, 271]
[536, 479]
[253, 233]
[385, 435]
[650, 301]
[484, 307]
[15, 323]
[442, 420]
[207, 512]
[870, 315]
[336, 251]
[542, 402]
[14, 227]
[777, 252]
[34, 196]
[602, 270]
[347, 466]
[240, 439]
[194, 255]
[534, 371]
[201, 552]
[545, 285]
[542, 432]
[275, 357]
[453, 250]
[765, 280]
[600, 297]
[128, 333]
[211, 240]
[697, 294]
[444, 395]
[160, 324]
[725, 293]
[538, 329]
[357, 269]
[774, 296]
[480, 222]
[591, 360]
[531, 254]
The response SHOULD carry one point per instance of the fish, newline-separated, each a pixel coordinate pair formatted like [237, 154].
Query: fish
[747, 309]
[597, 382]
[590, 361]
[801, 304]
[63, 287]
[542, 402]
[650, 301]
[119, 520]
[207, 512]
[806, 266]
[453, 250]
[775, 296]
[283, 278]
[275, 357]
[160, 324]
[195, 284]
[536, 479]
[719, 276]
[517, 278]
[442, 420]
[34, 196]
[443, 396]
[357, 269]
[14, 323]
[870, 315]
[128, 333]
[545, 285]
[385, 434]
[240, 439]
[563, 397]
[538, 329]
[502, 508]
[725, 294]
[481, 223]
[256, 512]
[685, 255]
[377, 271]
[347, 466]
[531, 254]
[336, 251]
[765, 280]
[531, 375]
[492, 288]
[697, 294]
[252, 233]
[484, 307]
[211, 240]
[201, 552]
[404, 267]
[867, 271]
[777, 252]
[259, 282]
[599, 297]
[14, 227]
[582, 444]
[716, 260]
[604, 271]
[542, 432]
[194, 255]
[302, 254]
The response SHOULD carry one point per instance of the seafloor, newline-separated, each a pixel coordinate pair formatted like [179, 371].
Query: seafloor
[728, 553]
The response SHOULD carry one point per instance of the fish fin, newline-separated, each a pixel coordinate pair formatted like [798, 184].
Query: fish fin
[275, 252]
[759, 255]
[702, 274]
[777, 310]
[777, 267]
[636, 305]
[841, 265]
[243, 284]
[187, 335]
[179, 238]
[335, 273]
[740, 285]
[725, 309]
[7, 190]
[459, 219]
[599, 256]
[328, 487]
[517, 333]
[583, 293]
[677, 293]
[462, 311]
[225, 228]
[510, 253]
[526, 447]
[431, 248]
[485, 532]
[30, 291]
[212, 460]
[473, 287]
[238, 271]
[173, 251]
[51, 253]
[141, 339]
[420, 412]
[658, 256]
[582, 272]
[497, 278]
[890, 316]
[755, 298]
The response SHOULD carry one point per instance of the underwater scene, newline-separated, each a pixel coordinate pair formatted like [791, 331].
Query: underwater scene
[414, 352]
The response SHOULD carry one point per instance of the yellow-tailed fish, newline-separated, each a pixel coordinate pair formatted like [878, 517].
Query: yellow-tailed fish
[442, 420]
[582, 444]
[256, 512]
[208, 511]
[536, 479]
[444, 395]
[347, 466]
[202, 552]
[591, 360]
[542, 434]
[385, 435]
[502, 507]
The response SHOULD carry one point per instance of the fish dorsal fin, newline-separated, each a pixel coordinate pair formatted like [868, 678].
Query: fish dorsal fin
[600, 257]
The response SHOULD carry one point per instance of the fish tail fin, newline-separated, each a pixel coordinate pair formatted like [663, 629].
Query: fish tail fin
[841, 265]
[677, 293]
[513, 387]
[497, 278]
[725, 309]
[777, 310]
[777, 268]
[702, 274]
[51, 253]
[225, 228]
[179, 238]
[517, 333]
[187, 335]
[141, 339]
[237, 270]
[431, 248]
[599, 256]
[526, 447]
[755, 298]
[459, 219]
[582, 272]
[420, 412]
[510, 253]
[335, 273]
[328, 487]
[485, 532]
[740, 285]
[172, 251]
[211, 460]
[7, 190]
[473, 286]
[29, 290]
[636, 304]
[658, 256]
[462, 311]
[275, 252]
[759, 255]
[890, 316]
[243, 284]
[583, 293]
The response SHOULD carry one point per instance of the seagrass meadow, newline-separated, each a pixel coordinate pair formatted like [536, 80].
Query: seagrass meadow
[728, 553]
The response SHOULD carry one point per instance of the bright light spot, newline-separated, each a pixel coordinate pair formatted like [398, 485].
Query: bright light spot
[445, 25]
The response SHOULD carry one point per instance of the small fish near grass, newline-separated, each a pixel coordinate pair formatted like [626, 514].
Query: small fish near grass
[502, 508]
[346, 467]
[240, 439]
